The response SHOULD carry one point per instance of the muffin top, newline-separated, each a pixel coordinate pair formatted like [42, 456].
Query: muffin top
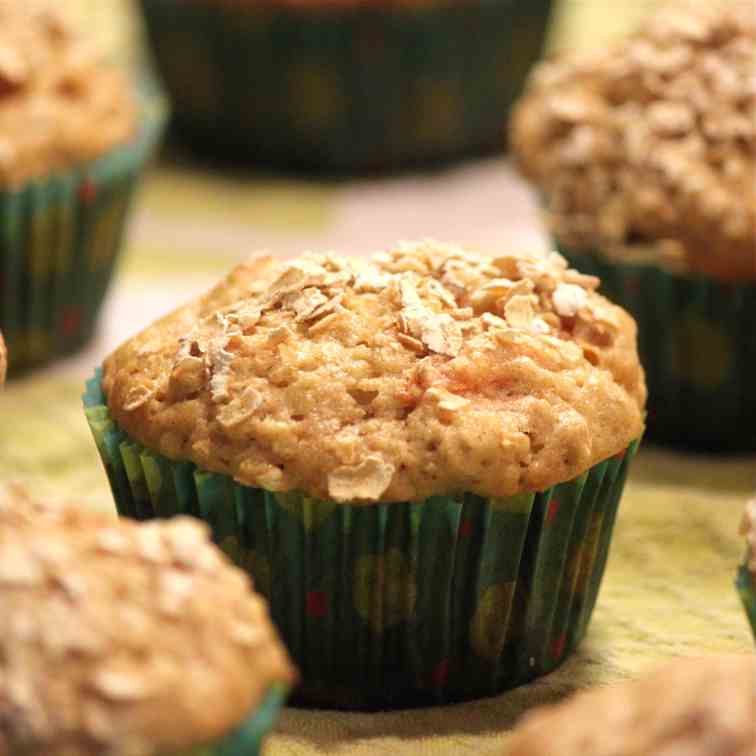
[60, 102]
[653, 139]
[125, 639]
[426, 370]
[3, 360]
[748, 529]
[696, 707]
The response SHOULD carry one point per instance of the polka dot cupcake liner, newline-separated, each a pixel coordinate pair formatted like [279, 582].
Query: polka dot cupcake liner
[341, 87]
[248, 739]
[746, 584]
[400, 604]
[59, 240]
[697, 343]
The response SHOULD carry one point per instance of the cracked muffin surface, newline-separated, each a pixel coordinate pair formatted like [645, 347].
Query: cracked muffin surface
[428, 369]
[652, 139]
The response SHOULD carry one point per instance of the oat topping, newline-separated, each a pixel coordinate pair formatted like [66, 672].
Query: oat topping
[366, 481]
[267, 375]
[122, 638]
[653, 140]
[60, 102]
[137, 397]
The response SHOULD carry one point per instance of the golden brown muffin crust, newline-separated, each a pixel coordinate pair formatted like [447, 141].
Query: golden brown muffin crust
[692, 707]
[3, 360]
[426, 370]
[122, 638]
[60, 102]
[653, 138]
[748, 529]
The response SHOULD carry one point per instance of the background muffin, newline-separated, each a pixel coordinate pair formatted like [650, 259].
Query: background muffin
[128, 639]
[3, 359]
[747, 575]
[643, 154]
[346, 85]
[705, 707]
[74, 135]
[344, 425]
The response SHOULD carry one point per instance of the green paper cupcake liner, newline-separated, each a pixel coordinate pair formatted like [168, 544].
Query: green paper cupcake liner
[746, 584]
[341, 88]
[697, 343]
[397, 604]
[248, 739]
[59, 239]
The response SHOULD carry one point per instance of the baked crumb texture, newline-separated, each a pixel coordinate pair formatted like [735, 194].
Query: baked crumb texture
[122, 638]
[653, 139]
[60, 102]
[692, 707]
[425, 370]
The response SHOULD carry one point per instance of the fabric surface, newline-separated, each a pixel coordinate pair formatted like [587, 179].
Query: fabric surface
[669, 586]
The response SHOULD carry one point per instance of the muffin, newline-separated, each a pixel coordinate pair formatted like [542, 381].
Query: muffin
[128, 639]
[344, 85]
[643, 154]
[747, 574]
[345, 425]
[74, 137]
[691, 707]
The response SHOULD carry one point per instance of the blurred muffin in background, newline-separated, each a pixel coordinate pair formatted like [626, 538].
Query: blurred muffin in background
[74, 136]
[643, 154]
[344, 85]
[690, 707]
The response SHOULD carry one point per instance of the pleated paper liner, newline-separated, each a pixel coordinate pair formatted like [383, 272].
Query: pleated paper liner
[397, 604]
[697, 343]
[59, 239]
[746, 584]
[248, 739]
[342, 87]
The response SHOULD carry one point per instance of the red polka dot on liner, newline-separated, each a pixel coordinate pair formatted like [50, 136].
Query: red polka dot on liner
[465, 528]
[558, 646]
[70, 322]
[552, 511]
[317, 603]
[87, 191]
[441, 673]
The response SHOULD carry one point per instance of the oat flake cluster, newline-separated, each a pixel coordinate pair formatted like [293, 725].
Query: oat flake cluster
[428, 369]
[654, 139]
[60, 103]
[122, 638]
